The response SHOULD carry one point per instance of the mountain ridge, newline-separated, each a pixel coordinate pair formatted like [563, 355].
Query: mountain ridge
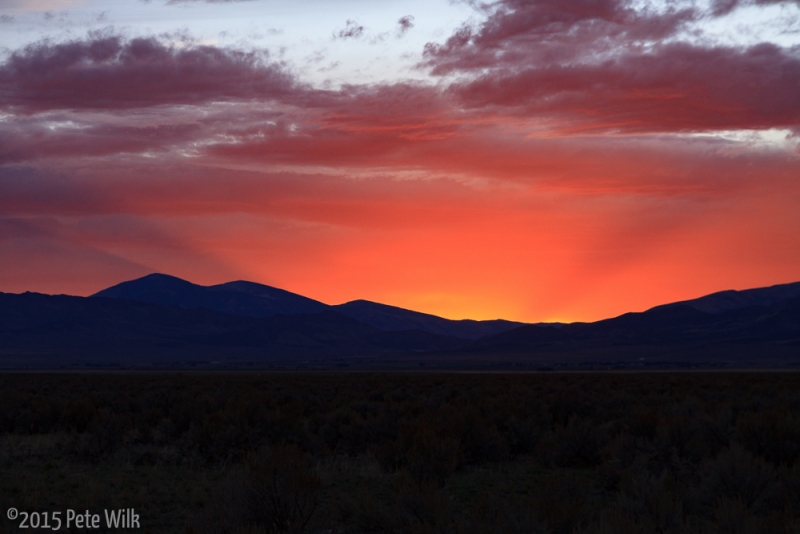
[748, 335]
[58, 331]
[731, 299]
[252, 299]
[238, 298]
[68, 330]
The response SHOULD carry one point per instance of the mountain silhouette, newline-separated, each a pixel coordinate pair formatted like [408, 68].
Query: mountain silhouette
[723, 301]
[61, 331]
[387, 317]
[237, 298]
[257, 300]
[678, 333]
[162, 321]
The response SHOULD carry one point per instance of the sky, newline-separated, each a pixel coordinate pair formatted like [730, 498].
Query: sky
[535, 160]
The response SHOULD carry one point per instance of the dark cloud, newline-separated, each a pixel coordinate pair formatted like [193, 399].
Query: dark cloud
[465, 129]
[37, 140]
[404, 24]
[724, 7]
[677, 87]
[603, 65]
[109, 97]
[521, 32]
[116, 73]
[352, 30]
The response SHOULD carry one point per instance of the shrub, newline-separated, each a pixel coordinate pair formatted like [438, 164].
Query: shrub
[278, 492]
[738, 476]
[579, 444]
[429, 455]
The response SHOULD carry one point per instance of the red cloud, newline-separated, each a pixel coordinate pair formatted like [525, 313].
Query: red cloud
[41, 139]
[603, 65]
[676, 87]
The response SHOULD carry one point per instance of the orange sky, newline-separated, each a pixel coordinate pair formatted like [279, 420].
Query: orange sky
[546, 171]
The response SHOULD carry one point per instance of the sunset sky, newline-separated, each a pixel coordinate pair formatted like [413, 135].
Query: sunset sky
[532, 160]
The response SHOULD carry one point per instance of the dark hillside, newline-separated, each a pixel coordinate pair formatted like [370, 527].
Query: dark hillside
[680, 334]
[723, 301]
[387, 317]
[57, 331]
[257, 300]
[237, 298]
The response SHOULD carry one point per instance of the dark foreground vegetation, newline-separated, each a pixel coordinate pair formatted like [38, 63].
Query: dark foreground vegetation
[408, 453]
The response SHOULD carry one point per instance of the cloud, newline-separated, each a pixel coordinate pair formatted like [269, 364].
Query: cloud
[537, 126]
[62, 136]
[724, 7]
[113, 98]
[605, 66]
[117, 73]
[352, 30]
[519, 32]
[404, 24]
[676, 87]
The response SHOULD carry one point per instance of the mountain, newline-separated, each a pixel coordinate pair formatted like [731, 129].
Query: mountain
[671, 334]
[752, 328]
[61, 331]
[237, 298]
[257, 300]
[386, 317]
[723, 301]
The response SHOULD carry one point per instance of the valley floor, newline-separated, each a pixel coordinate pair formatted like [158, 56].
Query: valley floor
[407, 452]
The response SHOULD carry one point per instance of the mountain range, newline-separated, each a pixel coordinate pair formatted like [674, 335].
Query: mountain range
[258, 300]
[161, 321]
